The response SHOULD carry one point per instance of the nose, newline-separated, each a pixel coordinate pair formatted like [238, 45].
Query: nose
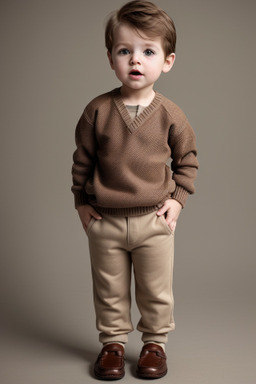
[135, 59]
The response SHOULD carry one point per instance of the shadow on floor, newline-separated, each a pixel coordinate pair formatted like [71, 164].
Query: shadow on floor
[45, 339]
[131, 364]
[53, 341]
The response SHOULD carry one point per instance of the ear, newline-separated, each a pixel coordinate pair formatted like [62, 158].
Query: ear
[169, 61]
[110, 59]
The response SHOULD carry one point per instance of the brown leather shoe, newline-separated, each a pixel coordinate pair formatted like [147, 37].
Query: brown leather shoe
[110, 363]
[152, 362]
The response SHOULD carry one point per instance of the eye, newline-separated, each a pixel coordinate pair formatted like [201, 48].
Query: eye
[123, 51]
[148, 52]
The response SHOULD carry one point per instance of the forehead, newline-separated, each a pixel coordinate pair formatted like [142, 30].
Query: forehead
[126, 34]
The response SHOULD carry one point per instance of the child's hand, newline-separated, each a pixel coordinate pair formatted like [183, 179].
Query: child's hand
[172, 209]
[86, 212]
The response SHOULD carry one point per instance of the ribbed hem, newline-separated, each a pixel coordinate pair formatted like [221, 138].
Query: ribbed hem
[180, 194]
[80, 199]
[136, 211]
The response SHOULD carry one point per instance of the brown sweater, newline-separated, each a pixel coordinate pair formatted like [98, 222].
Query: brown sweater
[120, 164]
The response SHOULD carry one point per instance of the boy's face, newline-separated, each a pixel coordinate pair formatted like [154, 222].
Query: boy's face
[138, 60]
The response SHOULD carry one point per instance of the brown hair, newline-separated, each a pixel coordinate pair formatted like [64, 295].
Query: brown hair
[143, 16]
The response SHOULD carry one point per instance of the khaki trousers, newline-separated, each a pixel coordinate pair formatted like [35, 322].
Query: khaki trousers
[116, 244]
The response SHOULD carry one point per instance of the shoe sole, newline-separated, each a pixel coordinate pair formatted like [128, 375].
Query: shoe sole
[150, 376]
[108, 377]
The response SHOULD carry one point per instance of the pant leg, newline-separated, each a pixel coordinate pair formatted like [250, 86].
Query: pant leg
[111, 273]
[152, 257]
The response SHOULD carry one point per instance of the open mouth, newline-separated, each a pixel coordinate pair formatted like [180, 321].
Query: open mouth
[135, 73]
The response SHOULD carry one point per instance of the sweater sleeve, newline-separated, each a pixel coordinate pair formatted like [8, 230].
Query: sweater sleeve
[184, 160]
[83, 158]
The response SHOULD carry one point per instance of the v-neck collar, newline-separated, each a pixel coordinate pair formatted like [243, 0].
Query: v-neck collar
[133, 124]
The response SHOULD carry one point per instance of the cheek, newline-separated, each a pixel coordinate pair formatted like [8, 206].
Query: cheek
[119, 66]
[119, 71]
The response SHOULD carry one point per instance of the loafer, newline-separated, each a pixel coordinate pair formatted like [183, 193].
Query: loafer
[110, 362]
[152, 362]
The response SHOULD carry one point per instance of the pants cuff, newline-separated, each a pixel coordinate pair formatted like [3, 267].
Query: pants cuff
[161, 338]
[123, 338]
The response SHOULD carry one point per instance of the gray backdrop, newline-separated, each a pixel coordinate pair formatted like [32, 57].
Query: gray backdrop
[53, 62]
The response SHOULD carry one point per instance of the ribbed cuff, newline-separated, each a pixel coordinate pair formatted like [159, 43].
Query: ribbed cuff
[180, 194]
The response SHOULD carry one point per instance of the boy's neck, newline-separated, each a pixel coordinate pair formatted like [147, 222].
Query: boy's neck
[141, 97]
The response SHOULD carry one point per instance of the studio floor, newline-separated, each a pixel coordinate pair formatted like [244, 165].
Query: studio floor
[204, 348]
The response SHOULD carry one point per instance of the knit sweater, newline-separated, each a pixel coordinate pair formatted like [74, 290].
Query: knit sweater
[120, 164]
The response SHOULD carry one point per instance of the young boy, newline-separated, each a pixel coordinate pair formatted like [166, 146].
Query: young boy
[127, 197]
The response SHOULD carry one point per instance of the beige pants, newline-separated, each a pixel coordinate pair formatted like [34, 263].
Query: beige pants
[117, 243]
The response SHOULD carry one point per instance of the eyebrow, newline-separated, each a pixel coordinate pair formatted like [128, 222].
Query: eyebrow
[148, 43]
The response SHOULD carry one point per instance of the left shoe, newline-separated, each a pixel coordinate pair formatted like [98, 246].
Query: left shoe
[152, 362]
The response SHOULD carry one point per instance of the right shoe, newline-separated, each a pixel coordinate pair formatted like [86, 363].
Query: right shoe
[110, 362]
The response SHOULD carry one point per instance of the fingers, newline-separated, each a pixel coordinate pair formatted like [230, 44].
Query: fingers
[169, 217]
[86, 212]
[170, 220]
[171, 209]
[92, 213]
[172, 225]
[163, 209]
[95, 214]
